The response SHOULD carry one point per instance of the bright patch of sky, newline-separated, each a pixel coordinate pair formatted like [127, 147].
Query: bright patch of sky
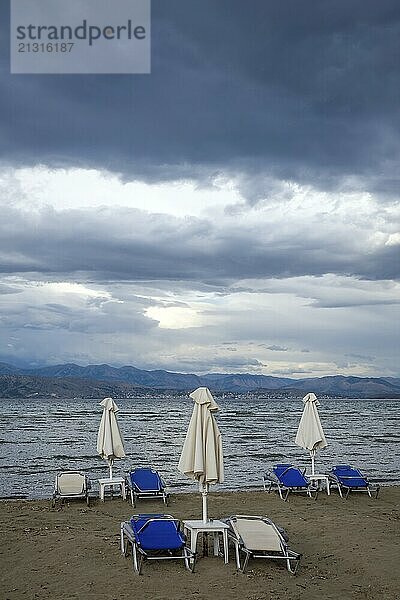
[64, 189]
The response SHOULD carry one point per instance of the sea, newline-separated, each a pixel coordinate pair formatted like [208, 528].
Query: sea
[39, 437]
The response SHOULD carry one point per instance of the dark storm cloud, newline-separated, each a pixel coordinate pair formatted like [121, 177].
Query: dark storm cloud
[242, 363]
[128, 244]
[334, 303]
[300, 90]
[361, 357]
[276, 348]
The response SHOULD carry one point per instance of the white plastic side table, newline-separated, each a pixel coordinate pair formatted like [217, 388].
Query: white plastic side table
[115, 481]
[213, 526]
[319, 478]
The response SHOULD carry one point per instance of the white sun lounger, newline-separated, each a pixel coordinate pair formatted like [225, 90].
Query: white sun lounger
[70, 485]
[259, 537]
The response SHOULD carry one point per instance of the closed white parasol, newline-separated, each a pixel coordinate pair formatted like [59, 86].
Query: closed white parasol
[310, 434]
[202, 457]
[109, 440]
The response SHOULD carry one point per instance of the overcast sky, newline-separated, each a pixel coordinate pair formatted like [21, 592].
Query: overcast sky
[236, 210]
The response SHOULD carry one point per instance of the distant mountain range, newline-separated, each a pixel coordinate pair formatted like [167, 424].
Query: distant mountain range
[94, 381]
[29, 386]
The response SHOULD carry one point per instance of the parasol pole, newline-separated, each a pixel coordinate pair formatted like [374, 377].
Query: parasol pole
[312, 454]
[204, 492]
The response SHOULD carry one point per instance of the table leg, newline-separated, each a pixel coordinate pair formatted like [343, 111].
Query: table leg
[216, 543]
[328, 489]
[193, 541]
[102, 492]
[226, 548]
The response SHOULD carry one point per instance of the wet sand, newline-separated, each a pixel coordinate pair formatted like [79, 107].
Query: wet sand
[351, 550]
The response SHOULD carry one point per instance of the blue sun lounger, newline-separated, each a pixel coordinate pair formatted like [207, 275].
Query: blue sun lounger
[155, 537]
[285, 478]
[144, 482]
[349, 479]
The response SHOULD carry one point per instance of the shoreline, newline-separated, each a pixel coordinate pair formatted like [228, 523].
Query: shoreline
[185, 492]
[180, 492]
[350, 549]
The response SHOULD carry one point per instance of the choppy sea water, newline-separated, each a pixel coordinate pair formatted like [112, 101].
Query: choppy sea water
[40, 437]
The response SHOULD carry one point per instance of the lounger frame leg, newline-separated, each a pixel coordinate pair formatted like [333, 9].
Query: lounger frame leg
[292, 557]
[190, 559]
[267, 486]
[133, 498]
[137, 564]
[246, 561]
[237, 555]
[290, 568]
[122, 538]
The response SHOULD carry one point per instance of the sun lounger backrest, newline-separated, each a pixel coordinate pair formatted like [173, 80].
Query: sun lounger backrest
[346, 471]
[146, 480]
[293, 477]
[349, 476]
[341, 467]
[278, 469]
[257, 534]
[137, 521]
[69, 484]
[158, 533]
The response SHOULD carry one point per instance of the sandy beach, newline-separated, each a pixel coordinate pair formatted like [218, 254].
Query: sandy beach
[350, 549]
